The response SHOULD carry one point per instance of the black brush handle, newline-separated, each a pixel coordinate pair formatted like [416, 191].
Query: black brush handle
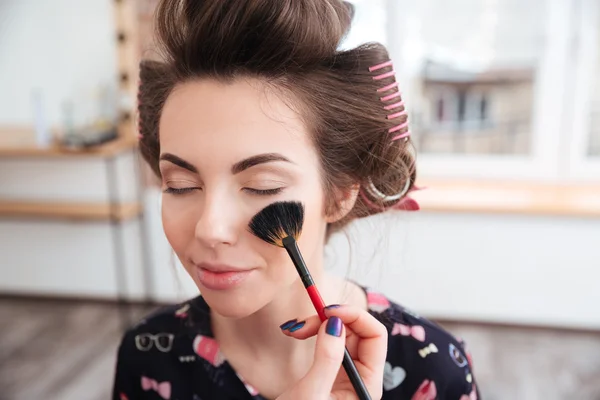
[291, 246]
[354, 376]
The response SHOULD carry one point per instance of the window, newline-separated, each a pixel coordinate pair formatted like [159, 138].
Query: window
[485, 57]
[455, 115]
[593, 123]
[474, 102]
[486, 83]
[368, 24]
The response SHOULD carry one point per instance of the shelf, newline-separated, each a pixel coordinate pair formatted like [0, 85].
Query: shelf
[68, 210]
[509, 198]
[108, 149]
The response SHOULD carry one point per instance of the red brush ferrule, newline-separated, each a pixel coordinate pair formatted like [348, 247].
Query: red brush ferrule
[317, 301]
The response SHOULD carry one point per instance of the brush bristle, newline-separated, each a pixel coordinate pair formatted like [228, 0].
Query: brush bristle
[277, 221]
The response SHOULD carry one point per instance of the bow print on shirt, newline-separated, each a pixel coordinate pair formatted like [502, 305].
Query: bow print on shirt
[425, 351]
[163, 388]
[416, 331]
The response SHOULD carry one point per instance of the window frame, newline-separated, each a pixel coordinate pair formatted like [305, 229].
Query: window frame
[584, 69]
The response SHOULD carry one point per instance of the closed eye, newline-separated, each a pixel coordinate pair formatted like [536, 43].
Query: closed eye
[180, 191]
[264, 192]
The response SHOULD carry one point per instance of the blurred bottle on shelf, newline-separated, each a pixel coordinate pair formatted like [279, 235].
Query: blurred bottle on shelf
[92, 120]
[43, 135]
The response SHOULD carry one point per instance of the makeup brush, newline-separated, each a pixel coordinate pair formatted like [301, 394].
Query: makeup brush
[280, 224]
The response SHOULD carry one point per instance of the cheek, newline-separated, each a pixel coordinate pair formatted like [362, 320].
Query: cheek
[313, 229]
[311, 241]
[178, 224]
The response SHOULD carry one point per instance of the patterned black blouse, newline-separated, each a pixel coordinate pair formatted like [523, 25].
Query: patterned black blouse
[172, 355]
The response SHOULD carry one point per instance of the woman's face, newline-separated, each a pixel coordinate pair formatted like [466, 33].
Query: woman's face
[227, 151]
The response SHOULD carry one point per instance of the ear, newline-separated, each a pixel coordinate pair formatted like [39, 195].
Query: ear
[345, 200]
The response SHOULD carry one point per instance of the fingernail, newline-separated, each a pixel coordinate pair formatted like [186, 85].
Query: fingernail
[334, 326]
[331, 307]
[287, 325]
[297, 326]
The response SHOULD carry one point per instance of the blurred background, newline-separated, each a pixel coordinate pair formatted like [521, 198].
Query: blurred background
[504, 104]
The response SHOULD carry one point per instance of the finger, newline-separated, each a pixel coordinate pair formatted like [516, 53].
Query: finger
[302, 329]
[358, 320]
[329, 353]
[369, 345]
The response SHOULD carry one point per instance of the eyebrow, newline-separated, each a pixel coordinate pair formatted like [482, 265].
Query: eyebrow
[180, 162]
[256, 160]
[235, 169]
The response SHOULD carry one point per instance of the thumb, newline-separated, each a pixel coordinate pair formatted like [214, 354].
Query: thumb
[329, 353]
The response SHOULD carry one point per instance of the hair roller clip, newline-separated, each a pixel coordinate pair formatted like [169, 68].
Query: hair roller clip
[396, 115]
[404, 136]
[393, 106]
[405, 203]
[384, 75]
[391, 96]
[388, 87]
[399, 127]
[376, 193]
[395, 95]
[380, 66]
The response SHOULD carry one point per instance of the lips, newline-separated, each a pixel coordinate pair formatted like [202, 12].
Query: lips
[220, 268]
[220, 276]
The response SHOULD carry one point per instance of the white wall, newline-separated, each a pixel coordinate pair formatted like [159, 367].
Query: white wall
[65, 48]
[65, 179]
[77, 259]
[514, 269]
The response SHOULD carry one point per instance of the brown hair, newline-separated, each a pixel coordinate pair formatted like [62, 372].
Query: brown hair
[292, 45]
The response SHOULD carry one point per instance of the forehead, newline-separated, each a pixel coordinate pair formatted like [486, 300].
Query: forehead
[243, 116]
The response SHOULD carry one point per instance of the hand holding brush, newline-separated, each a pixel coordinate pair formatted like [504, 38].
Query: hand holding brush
[366, 342]
[280, 224]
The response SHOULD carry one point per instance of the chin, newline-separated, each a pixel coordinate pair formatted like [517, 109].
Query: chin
[236, 303]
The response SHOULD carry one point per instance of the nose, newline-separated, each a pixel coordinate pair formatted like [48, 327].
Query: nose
[218, 222]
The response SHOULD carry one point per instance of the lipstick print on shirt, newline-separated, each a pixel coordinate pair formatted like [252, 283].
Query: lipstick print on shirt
[183, 311]
[208, 349]
[377, 302]
[427, 391]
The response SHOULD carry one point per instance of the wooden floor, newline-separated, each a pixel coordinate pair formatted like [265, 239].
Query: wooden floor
[58, 350]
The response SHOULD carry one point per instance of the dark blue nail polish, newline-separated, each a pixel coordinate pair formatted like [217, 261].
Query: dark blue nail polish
[289, 324]
[297, 326]
[331, 307]
[334, 326]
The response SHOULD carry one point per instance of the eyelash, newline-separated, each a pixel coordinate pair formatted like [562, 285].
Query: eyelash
[267, 192]
[175, 191]
[258, 192]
